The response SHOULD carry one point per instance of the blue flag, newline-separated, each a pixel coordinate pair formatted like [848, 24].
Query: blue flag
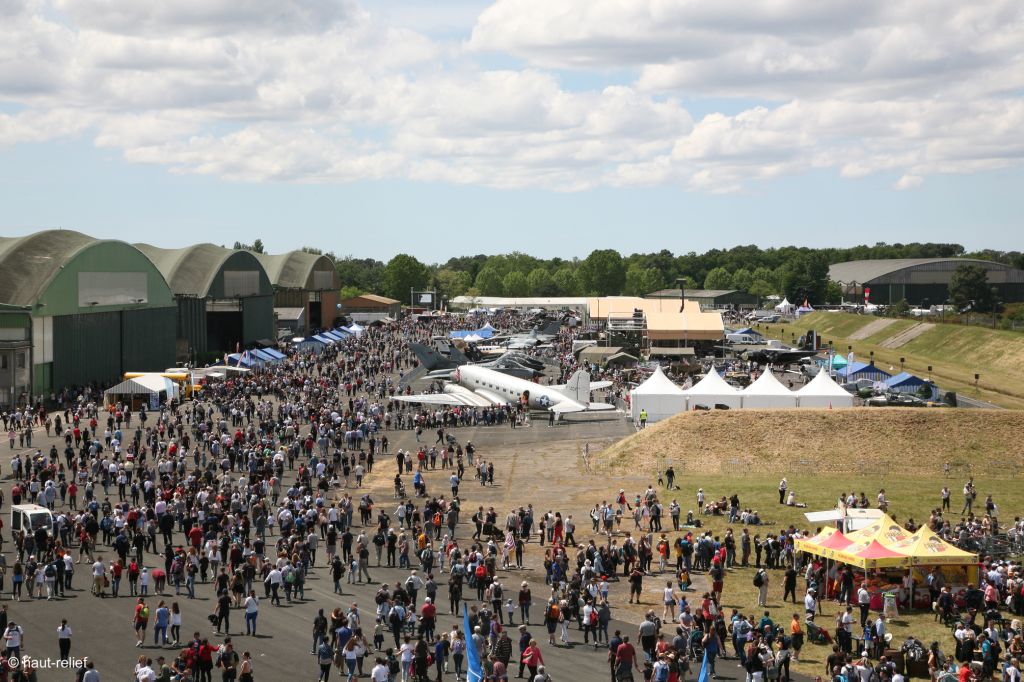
[705, 674]
[474, 671]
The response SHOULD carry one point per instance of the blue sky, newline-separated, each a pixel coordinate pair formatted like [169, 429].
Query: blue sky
[382, 128]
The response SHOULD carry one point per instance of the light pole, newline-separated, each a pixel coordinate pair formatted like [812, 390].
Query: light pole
[902, 360]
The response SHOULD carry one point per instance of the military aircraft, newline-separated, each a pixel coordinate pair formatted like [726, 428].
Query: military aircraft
[437, 366]
[475, 386]
[778, 356]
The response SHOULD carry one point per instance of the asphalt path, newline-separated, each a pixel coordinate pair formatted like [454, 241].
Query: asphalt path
[103, 629]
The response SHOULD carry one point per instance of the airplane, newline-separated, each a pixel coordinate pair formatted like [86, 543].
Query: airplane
[437, 366]
[474, 386]
[531, 339]
[778, 356]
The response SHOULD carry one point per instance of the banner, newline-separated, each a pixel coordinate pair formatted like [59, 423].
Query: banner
[474, 671]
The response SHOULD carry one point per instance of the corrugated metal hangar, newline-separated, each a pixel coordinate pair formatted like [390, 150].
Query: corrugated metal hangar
[224, 298]
[306, 288]
[98, 308]
[75, 310]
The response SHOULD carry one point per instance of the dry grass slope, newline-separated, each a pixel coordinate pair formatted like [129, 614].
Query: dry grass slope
[883, 440]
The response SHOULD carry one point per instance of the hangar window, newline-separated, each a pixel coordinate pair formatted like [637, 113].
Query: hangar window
[112, 288]
[241, 283]
[323, 280]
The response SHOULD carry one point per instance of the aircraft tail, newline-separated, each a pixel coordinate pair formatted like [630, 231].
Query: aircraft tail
[457, 356]
[429, 357]
[578, 387]
[552, 327]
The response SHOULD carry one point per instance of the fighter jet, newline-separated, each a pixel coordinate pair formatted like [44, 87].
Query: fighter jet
[475, 386]
[531, 339]
[437, 366]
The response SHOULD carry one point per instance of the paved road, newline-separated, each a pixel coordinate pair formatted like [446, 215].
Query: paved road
[103, 627]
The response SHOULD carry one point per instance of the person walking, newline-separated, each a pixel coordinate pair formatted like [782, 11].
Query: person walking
[252, 610]
[64, 639]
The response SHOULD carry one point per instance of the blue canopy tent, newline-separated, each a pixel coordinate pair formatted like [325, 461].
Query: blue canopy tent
[484, 332]
[274, 353]
[247, 359]
[326, 340]
[862, 370]
[263, 355]
[905, 382]
[310, 343]
[334, 336]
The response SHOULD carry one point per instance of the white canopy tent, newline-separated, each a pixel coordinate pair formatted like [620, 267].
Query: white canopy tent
[768, 393]
[823, 391]
[713, 390]
[785, 307]
[151, 389]
[659, 396]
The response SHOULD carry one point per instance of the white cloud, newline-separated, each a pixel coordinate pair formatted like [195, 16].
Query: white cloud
[908, 182]
[324, 91]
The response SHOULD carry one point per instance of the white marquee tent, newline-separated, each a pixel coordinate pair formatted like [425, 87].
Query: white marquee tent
[713, 390]
[659, 396]
[785, 307]
[823, 391]
[768, 392]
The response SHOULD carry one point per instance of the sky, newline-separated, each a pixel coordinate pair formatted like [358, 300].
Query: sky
[455, 127]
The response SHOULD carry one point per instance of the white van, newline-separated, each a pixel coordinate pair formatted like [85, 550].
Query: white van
[748, 339]
[31, 517]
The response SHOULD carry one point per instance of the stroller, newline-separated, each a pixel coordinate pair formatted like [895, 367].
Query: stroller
[695, 645]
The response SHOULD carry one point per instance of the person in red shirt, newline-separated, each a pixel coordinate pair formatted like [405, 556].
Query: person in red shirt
[73, 496]
[625, 658]
[428, 617]
[195, 536]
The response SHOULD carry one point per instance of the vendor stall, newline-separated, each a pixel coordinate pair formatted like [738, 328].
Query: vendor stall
[148, 389]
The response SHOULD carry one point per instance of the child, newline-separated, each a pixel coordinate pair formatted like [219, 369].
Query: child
[378, 634]
[511, 610]
[144, 581]
[684, 580]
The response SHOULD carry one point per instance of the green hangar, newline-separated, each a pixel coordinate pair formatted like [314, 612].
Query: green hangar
[78, 311]
[306, 290]
[224, 299]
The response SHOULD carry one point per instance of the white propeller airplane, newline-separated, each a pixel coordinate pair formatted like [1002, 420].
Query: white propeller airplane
[474, 386]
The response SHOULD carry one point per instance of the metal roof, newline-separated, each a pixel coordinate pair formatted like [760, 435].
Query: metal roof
[294, 270]
[693, 293]
[28, 264]
[864, 271]
[189, 271]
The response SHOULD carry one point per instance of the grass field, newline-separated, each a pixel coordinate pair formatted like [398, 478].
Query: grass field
[822, 454]
[955, 352]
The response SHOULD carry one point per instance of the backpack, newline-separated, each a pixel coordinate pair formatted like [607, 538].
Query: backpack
[593, 617]
[145, 613]
[393, 666]
[759, 579]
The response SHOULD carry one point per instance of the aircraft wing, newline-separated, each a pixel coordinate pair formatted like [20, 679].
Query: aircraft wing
[596, 385]
[433, 399]
[566, 407]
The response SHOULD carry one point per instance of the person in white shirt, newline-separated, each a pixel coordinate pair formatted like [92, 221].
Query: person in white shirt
[810, 602]
[380, 671]
[252, 609]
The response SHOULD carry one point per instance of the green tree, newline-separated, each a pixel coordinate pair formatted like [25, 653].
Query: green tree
[541, 283]
[805, 278]
[566, 282]
[761, 288]
[765, 277]
[968, 285]
[742, 279]
[641, 281]
[833, 292]
[489, 281]
[402, 274]
[451, 283]
[603, 273]
[718, 278]
[350, 291]
[255, 247]
[515, 284]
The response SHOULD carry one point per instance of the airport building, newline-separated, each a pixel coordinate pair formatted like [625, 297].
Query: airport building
[921, 281]
[224, 299]
[719, 299]
[78, 310]
[370, 307]
[306, 289]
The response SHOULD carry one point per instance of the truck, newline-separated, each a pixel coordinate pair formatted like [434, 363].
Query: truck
[30, 518]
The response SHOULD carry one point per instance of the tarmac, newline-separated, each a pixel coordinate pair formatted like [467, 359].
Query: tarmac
[103, 629]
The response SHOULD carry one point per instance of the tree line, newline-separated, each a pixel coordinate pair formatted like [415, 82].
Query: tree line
[796, 272]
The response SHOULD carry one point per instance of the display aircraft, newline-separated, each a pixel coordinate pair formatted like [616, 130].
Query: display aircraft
[475, 386]
[437, 366]
[778, 356]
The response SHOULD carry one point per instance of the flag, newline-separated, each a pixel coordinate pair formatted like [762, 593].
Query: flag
[510, 542]
[474, 671]
[705, 674]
